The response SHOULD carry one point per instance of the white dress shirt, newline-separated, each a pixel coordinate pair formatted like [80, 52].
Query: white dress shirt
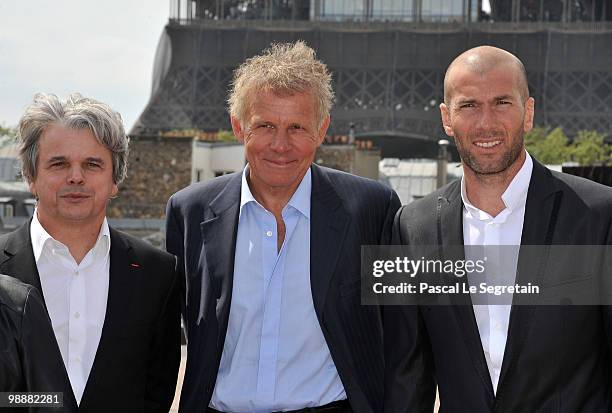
[75, 295]
[480, 228]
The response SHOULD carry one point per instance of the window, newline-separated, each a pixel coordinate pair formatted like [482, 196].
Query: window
[30, 204]
[6, 209]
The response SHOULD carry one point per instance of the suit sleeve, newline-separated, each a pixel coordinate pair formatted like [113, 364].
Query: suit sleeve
[394, 205]
[606, 275]
[174, 245]
[165, 350]
[41, 363]
[409, 380]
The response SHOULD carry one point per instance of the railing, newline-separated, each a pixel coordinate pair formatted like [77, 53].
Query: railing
[406, 25]
[462, 11]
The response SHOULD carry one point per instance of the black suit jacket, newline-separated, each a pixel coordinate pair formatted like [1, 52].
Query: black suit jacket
[346, 212]
[557, 359]
[26, 335]
[136, 364]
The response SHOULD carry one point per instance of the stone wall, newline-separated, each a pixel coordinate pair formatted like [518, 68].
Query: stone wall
[157, 168]
[334, 156]
[349, 158]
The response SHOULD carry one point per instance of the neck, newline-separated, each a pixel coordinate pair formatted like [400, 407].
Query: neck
[485, 190]
[79, 237]
[273, 200]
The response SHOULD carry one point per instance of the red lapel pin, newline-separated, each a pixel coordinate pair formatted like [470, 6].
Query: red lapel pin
[135, 265]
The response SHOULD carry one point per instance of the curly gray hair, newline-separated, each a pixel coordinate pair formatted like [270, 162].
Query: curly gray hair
[76, 112]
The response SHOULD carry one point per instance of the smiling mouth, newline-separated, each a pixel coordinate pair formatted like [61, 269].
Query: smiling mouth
[279, 163]
[75, 196]
[489, 144]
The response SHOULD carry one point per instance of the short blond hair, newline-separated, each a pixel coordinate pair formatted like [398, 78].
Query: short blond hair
[284, 69]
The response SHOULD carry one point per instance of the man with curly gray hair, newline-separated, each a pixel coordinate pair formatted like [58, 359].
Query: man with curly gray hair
[112, 299]
[271, 257]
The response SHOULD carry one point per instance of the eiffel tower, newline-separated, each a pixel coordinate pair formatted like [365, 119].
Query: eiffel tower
[387, 57]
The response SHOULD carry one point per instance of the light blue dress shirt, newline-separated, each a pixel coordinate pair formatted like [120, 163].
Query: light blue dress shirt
[275, 357]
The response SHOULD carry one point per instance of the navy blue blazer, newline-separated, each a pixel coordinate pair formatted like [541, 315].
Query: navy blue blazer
[346, 212]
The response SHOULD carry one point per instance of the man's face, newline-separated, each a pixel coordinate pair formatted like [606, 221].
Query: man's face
[74, 177]
[488, 118]
[280, 135]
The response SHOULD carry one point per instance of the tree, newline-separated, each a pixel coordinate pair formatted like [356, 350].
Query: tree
[7, 135]
[589, 148]
[549, 148]
[226, 136]
[554, 148]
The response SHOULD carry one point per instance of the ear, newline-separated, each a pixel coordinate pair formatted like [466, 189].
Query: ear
[529, 113]
[114, 190]
[32, 188]
[323, 130]
[445, 113]
[237, 129]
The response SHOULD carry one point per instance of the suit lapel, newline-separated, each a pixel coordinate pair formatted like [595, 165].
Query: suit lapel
[328, 227]
[450, 234]
[19, 257]
[219, 231]
[541, 210]
[121, 286]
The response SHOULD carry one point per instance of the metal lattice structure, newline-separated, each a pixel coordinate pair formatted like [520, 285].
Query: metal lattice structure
[388, 78]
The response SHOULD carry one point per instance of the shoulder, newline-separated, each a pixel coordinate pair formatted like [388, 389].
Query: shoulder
[142, 250]
[349, 186]
[5, 238]
[427, 206]
[14, 294]
[590, 194]
[21, 234]
[158, 268]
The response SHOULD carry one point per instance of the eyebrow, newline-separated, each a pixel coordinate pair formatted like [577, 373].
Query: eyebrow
[92, 159]
[63, 158]
[503, 97]
[464, 101]
[496, 98]
[56, 159]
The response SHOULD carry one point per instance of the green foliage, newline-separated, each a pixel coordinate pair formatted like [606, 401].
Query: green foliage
[535, 137]
[589, 148]
[7, 135]
[554, 148]
[226, 136]
[549, 148]
[207, 136]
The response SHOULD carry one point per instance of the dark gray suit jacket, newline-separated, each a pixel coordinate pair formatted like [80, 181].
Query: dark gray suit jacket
[137, 361]
[557, 359]
[346, 212]
[29, 358]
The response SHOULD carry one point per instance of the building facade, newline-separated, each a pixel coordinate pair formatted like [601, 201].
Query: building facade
[387, 60]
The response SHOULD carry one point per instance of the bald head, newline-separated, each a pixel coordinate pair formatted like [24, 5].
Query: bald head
[482, 60]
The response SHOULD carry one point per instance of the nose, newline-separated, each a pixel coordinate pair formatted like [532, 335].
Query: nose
[487, 117]
[280, 141]
[75, 176]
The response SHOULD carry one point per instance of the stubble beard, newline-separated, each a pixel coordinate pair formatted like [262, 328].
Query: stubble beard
[489, 167]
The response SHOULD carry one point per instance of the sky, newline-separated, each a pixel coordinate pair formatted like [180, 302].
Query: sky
[486, 6]
[102, 49]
